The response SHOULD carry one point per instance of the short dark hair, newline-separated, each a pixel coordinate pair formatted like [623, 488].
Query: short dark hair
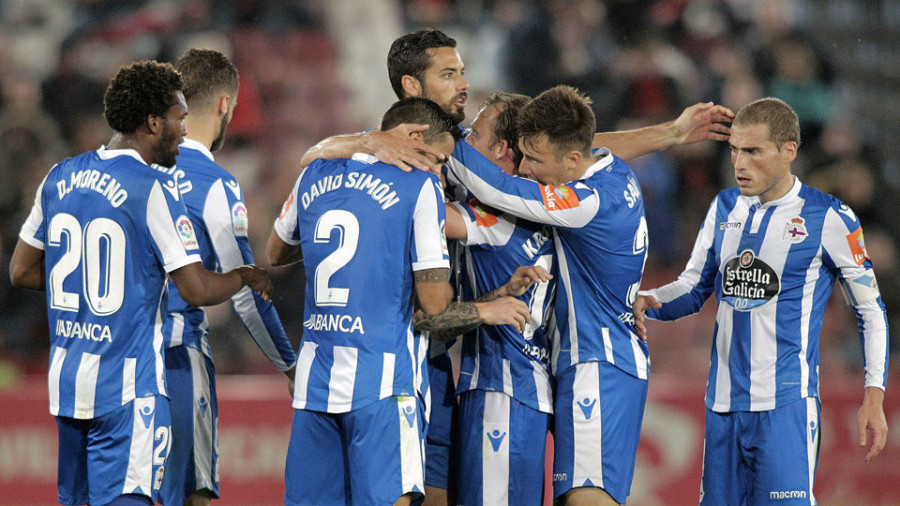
[783, 123]
[508, 106]
[424, 112]
[564, 115]
[206, 73]
[409, 56]
[140, 90]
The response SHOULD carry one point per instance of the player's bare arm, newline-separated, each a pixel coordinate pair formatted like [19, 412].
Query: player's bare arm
[281, 253]
[200, 287]
[394, 147]
[26, 267]
[699, 122]
[871, 418]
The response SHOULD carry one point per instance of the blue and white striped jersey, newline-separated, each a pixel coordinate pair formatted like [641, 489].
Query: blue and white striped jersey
[600, 237]
[772, 268]
[497, 357]
[216, 206]
[364, 227]
[111, 227]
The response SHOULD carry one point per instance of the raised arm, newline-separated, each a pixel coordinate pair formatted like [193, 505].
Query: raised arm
[699, 122]
[394, 147]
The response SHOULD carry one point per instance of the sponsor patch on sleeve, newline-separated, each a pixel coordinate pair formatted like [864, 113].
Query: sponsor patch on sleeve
[186, 232]
[483, 217]
[239, 221]
[288, 204]
[559, 197]
[858, 246]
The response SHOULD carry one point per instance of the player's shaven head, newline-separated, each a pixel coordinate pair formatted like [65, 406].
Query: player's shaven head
[508, 106]
[783, 123]
[206, 74]
[140, 90]
[564, 115]
[421, 111]
[409, 55]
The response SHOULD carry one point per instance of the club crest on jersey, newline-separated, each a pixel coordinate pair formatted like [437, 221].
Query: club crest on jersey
[748, 282]
[795, 230]
[483, 218]
[559, 197]
[239, 221]
[186, 232]
[858, 246]
[286, 207]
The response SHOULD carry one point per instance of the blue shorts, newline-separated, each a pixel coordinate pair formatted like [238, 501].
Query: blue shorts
[372, 455]
[501, 450]
[761, 457]
[121, 452]
[193, 461]
[440, 425]
[599, 409]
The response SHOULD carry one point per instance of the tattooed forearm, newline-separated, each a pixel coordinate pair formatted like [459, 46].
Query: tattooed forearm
[432, 275]
[459, 318]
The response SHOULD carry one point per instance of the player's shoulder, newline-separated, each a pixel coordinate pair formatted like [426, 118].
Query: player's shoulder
[829, 205]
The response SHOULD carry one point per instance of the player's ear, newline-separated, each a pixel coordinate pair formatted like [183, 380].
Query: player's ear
[222, 104]
[417, 136]
[501, 150]
[155, 124]
[412, 87]
[788, 151]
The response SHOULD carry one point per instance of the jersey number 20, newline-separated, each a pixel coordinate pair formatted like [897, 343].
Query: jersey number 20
[99, 271]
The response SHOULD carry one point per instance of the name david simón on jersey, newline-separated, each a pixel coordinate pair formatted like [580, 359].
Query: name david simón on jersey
[380, 191]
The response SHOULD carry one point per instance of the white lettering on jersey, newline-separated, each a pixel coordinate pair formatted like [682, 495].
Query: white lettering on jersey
[78, 330]
[335, 323]
[633, 193]
[100, 182]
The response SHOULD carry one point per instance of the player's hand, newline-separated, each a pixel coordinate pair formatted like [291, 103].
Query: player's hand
[704, 121]
[290, 376]
[396, 147]
[641, 304]
[504, 311]
[524, 276]
[871, 418]
[257, 279]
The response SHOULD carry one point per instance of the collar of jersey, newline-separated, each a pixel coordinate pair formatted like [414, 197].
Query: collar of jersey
[106, 154]
[794, 191]
[199, 146]
[604, 160]
[364, 158]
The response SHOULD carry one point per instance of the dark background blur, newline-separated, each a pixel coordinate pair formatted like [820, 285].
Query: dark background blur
[311, 69]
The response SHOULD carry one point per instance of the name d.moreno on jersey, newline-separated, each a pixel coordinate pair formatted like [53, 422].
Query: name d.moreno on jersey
[748, 282]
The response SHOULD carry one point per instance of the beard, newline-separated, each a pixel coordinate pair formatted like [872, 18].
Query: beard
[167, 149]
[220, 139]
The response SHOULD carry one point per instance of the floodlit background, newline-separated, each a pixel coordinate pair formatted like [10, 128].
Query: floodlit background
[310, 69]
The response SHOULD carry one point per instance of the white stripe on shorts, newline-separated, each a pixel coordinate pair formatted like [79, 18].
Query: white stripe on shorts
[139, 475]
[412, 464]
[203, 421]
[587, 429]
[812, 442]
[495, 449]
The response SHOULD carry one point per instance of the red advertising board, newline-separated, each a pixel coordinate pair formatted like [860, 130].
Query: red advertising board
[255, 417]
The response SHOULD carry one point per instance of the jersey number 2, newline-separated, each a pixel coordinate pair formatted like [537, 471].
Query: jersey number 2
[347, 227]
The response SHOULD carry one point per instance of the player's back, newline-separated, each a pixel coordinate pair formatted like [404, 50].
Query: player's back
[108, 230]
[356, 226]
[600, 268]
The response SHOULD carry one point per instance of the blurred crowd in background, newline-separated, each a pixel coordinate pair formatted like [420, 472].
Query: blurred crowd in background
[310, 69]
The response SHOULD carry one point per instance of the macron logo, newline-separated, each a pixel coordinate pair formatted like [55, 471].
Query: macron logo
[787, 494]
[496, 439]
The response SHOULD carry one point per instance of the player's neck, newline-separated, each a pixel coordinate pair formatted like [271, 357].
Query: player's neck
[202, 128]
[133, 142]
